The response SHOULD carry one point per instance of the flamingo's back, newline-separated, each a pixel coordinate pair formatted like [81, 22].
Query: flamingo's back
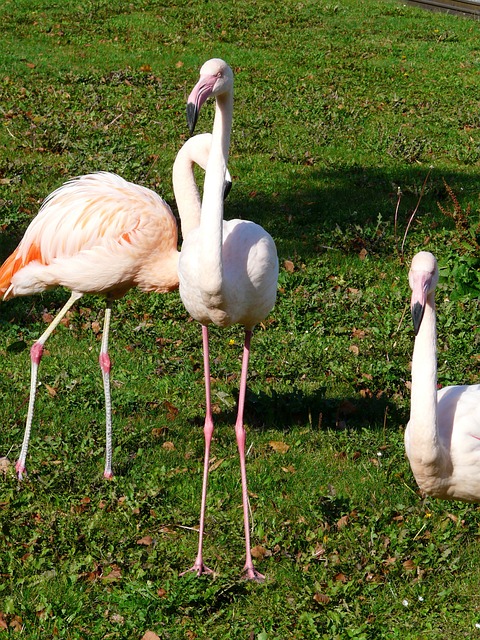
[96, 233]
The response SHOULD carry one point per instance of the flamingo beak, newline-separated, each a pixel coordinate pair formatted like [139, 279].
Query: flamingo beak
[228, 184]
[201, 91]
[420, 288]
[417, 316]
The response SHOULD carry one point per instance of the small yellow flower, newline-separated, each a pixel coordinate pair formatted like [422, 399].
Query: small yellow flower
[231, 342]
[428, 514]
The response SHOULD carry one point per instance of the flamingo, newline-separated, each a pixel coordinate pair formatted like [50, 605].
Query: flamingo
[442, 438]
[228, 273]
[100, 234]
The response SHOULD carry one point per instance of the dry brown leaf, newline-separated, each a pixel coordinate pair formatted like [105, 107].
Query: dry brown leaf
[358, 333]
[216, 464]
[146, 541]
[321, 598]
[150, 635]
[161, 593]
[289, 266]
[52, 392]
[278, 446]
[172, 410]
[259, 552]
[179, 64]
[363, 254]
[16, 623]
[169, 446]
[342, 523]
[340, 577]
[289, 469]
[354, 349]
[5, 465]
[96, 328]
[146, 68]
[408, 565]
[113, 575]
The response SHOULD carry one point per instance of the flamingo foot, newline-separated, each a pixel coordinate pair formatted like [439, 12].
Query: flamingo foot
[200, 569]
[20, 469]
[250, 573]
[108, 474]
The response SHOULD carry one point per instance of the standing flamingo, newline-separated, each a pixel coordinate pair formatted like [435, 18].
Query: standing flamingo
[442, 438]
[101, 234]
[228, 273]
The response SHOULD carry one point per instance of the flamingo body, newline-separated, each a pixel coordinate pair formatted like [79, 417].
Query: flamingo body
[96, 234]
[249, 277]
[442, 438]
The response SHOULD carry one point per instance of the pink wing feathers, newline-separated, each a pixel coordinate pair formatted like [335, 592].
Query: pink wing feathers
[92, 234]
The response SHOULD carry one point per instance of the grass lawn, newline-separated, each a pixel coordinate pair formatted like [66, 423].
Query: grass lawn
[355, 143]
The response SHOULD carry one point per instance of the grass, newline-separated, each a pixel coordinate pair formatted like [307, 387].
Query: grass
[342, 110]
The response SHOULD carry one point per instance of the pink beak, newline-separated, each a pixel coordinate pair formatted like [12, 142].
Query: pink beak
[201, 91]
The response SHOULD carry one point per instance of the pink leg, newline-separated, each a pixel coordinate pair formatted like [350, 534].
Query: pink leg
[199, 567]
[36, 353]
[105, 366]
[249, 570]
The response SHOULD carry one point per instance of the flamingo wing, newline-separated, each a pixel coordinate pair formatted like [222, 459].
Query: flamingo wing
[95, 212]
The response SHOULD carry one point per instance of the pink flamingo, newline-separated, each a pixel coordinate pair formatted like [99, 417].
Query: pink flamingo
[101, 234]
[442, 438]
[228, 273]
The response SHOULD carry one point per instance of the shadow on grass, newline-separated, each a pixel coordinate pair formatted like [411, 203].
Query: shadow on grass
[283, 411]
[309, 207]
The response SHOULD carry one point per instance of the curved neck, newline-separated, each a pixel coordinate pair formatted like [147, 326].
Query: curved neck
[211, 223]
[195, 150]
[423, 412]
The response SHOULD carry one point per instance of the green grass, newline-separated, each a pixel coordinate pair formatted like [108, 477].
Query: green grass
[338, 106]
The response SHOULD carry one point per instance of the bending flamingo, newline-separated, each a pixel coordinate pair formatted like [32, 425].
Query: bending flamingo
[228, 273]
[101, 234]
[442, 438]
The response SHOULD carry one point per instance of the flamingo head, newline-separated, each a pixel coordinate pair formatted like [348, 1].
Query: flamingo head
[216, 78]
[423, 278]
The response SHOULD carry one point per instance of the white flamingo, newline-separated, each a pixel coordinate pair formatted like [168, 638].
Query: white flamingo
[101, 234]
[228, 273]
[442, 438]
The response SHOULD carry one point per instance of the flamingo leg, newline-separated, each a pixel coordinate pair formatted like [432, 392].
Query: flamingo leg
[36, 353]
[249, 570]
[105, 366]
[199, 567]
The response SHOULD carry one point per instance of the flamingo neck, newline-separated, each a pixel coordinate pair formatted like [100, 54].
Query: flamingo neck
[186, 193]
[423, 413]
[211, 223]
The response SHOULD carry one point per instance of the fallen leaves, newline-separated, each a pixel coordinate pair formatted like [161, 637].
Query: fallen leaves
[5, 465]
[258, 552]
[10, 622]
[279, 446]
[321, 598]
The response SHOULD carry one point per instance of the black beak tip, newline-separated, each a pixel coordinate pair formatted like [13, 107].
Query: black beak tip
[227, 188]
[417, 316]
[192, 115]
